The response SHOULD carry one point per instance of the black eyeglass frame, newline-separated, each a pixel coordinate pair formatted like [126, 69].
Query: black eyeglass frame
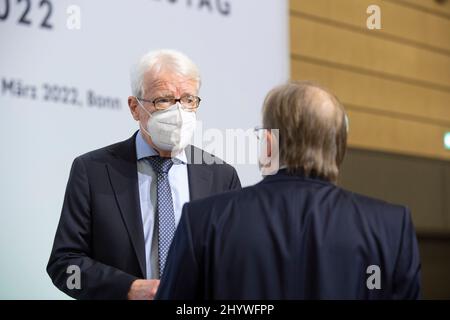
[172, 102]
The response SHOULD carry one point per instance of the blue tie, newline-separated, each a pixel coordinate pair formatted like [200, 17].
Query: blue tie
[164, 207]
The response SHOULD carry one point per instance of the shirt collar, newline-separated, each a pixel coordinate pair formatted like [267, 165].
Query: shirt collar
[144, 150]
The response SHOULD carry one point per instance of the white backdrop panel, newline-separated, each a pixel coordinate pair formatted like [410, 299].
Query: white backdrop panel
[46, 74]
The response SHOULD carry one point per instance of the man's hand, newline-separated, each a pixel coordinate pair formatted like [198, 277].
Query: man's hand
[143, 289]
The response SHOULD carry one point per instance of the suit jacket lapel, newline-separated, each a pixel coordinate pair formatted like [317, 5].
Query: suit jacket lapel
[124, 181]
[199, 173]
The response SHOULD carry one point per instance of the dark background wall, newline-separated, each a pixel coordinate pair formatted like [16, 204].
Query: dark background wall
[424, 186]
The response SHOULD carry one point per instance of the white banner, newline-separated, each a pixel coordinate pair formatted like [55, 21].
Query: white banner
[64, 72]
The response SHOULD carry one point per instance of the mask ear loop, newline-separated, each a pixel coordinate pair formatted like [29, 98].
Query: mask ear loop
[140, 104]
[148, 112]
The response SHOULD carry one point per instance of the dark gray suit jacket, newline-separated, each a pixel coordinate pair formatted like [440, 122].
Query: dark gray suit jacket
[100, 229]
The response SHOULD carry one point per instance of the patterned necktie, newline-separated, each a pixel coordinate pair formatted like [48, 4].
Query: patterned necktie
[164, 207]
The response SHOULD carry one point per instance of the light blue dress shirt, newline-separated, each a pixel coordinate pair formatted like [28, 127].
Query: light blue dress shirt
[179, 185]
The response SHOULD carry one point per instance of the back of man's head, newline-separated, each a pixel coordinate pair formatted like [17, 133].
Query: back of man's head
[312, 128]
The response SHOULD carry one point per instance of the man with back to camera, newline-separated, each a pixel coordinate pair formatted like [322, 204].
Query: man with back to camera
[295, 235]
[123, 202]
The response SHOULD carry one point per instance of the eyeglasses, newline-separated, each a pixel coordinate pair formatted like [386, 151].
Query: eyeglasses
[188, 102]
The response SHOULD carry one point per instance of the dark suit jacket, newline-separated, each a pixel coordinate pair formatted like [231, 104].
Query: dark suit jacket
[100, 229]
[291, 237]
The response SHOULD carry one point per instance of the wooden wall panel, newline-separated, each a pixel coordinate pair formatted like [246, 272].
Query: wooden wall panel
[311, 38]
[395, 82]
[432, 6]
[384, 133]
[402, 23]
[392, 98]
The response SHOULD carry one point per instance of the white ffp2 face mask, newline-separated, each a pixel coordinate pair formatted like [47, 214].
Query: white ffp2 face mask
[170, 129]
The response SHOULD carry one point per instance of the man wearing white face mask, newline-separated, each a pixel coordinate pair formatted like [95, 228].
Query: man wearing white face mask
[123, 202]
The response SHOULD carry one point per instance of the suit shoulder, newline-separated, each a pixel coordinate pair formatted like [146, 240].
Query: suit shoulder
[105, 152]
[377, 208]
[221, 201]
[374, 202]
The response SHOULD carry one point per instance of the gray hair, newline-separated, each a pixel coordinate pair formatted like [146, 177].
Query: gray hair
[312, 128]
[162, 60]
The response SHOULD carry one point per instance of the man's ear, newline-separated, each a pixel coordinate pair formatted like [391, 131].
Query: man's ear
[134, 107]
[270, 163]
